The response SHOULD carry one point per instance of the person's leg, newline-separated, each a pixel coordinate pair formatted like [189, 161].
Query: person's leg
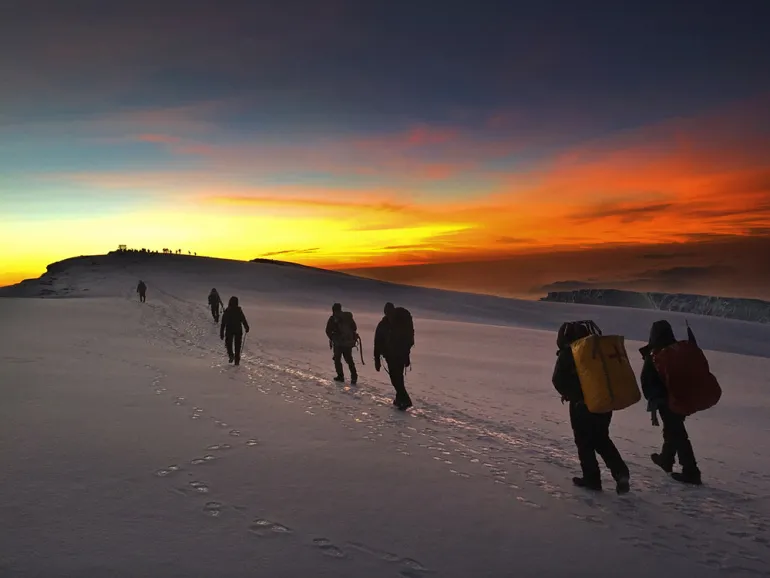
[348, 355]
[396, 369]
[229, 346]
[606, 448]
[582, 429]
[238, 341]
[677, 441]
[337, 358]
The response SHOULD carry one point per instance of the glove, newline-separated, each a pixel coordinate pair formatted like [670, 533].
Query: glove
[377, 364]
[563, 399]
[247, 330]
[331, 345]
[222, 337]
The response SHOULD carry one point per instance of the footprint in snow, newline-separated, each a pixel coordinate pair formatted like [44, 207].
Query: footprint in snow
[413, 568]
[219, 447]
[167, 471]
[199, 487]
[205, 459]
[213, 509]
[264, 528]
[327, 548]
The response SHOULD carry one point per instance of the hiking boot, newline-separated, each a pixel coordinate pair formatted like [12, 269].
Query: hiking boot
[404, 405]
[658, 461]
[692, 478]
[237, 361]
[231, 359]
[353, 380]
[623, 485]
[588, 485]
[339, 379]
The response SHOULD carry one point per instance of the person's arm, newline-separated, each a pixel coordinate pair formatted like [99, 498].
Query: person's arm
[653, 387]
[243, 320]
[223, 324]
[565, 379]
[378, 337]
[330, 327]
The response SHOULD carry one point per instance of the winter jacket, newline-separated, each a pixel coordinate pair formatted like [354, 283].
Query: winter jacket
[565, 376]
[232, 319]
[215, 299]
[141, 288]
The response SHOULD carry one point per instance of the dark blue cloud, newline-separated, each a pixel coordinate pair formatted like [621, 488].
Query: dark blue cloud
[373, 63]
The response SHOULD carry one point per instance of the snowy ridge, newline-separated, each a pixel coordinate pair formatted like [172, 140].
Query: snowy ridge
[282, 283]
[131, 433]
[728, 307]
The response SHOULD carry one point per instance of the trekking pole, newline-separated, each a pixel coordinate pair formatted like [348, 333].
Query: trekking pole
[361, 350]
[243, 343]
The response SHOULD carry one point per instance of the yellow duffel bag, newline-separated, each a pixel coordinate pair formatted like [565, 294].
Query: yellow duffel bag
[606, 376]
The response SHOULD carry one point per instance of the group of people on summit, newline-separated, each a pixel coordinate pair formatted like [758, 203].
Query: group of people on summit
[592, 374]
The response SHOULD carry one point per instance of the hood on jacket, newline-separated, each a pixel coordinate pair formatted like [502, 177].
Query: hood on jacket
[661, 335]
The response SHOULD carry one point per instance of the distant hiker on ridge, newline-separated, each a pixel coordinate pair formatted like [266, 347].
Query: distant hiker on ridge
[591, 430]
[393, 340]
[231, 330]
[342, 331]
[215, 302]
[677, 382]
[142, 290]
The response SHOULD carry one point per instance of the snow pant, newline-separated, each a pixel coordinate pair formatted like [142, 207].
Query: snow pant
[346, 352]
[215, 312]
[396, 367]
[142, 297]
[234, 339]
[592, 436]
[676, 442]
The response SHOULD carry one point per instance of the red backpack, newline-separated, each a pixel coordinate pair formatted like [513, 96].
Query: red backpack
[685, 371]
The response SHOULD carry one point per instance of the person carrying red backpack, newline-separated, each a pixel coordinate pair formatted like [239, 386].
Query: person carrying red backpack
[677, 382]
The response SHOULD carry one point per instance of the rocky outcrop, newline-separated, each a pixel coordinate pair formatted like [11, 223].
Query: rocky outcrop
[726, 307]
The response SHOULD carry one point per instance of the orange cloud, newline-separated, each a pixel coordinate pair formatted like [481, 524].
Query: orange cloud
[281, 201]
[677, 182]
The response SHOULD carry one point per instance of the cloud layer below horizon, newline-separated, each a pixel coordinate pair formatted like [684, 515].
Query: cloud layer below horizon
[325, 141]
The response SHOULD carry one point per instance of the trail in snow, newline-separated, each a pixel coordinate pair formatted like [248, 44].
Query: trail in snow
[720, 528]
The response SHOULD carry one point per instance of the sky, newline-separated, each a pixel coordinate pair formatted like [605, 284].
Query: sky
[389, 137]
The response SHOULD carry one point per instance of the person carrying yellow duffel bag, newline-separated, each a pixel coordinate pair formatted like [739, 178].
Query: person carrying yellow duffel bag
[591, 430]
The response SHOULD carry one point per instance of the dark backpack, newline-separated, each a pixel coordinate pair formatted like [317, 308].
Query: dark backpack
[401, 338]
[571, 331]
[347, 337]
[685, 371]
